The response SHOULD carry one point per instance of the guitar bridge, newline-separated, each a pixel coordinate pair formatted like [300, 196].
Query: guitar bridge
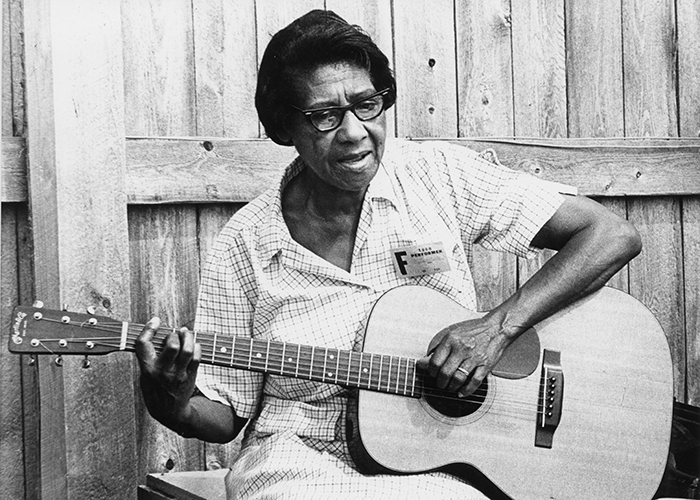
[551, 398]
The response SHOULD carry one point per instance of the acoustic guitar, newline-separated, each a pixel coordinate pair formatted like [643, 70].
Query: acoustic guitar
[579, 407]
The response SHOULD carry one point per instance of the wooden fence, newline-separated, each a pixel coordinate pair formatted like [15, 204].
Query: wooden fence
[130, 137]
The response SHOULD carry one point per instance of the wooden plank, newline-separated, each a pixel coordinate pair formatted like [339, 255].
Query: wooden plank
[594, 68]
[160, 98]
[184, 171]
[226, 68]
[656, 276]
[688, 18]
[193, 170]
[159, 87]
[484, 68]
[11, 416]
[13, 107]
[5, 72]
[13, 184]
[165, 278]
[75, 96]
[649, 68]
[426, 75]
[194, 485]
[691, 257]
[539, 68]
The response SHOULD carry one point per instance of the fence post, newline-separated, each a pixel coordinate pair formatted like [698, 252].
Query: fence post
[76, 174]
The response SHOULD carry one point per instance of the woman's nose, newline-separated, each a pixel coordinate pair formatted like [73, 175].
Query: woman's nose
[351, 128]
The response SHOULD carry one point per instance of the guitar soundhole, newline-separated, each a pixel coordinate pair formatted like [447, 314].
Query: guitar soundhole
[449, 404]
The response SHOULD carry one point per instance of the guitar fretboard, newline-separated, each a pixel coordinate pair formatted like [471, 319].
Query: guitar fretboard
[375, 372]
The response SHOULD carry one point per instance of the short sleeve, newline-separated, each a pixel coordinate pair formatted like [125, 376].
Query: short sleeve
[224, 309]
[501, 209]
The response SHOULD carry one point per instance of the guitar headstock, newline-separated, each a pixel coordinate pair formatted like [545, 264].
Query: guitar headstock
[36, 330]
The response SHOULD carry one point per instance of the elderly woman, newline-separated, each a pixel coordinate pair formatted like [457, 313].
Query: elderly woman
[305, 261]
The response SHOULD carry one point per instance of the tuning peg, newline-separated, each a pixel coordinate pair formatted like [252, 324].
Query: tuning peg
[58, 361]
[38, 304]
[32, 360]
[86, 363]
[65, 307]
[91, 310]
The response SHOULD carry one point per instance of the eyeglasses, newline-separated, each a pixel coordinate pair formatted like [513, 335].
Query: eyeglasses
[330, 118]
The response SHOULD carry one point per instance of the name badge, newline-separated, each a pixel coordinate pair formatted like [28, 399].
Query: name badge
[419, 260]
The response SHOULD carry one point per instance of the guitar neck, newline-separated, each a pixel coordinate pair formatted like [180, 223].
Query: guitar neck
[375, 372]
[45, 331]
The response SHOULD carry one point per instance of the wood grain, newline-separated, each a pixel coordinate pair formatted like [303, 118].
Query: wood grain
[165, 277]
[11, 410]
[75, 96]
[656, 276]
[688, 17]
[426, 75]
[539, 68]
[484, 68]
[226, 68]
[594, 68]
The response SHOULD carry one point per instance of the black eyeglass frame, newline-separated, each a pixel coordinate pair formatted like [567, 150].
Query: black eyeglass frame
[344, 109]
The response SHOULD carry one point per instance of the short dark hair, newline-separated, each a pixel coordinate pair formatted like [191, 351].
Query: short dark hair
[317, 38]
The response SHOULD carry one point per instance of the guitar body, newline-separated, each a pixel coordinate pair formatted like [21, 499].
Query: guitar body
[613, 436]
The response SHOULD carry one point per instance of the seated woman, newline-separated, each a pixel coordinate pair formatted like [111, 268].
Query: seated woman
[305, 262]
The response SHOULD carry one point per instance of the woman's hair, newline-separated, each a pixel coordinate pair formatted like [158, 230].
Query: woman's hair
[317, 38]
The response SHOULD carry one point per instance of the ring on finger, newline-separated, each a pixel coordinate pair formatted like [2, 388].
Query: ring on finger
[463, 370]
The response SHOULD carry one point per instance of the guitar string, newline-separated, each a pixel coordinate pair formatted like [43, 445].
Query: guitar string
[136, 329]
[373, 381]
[509, 407]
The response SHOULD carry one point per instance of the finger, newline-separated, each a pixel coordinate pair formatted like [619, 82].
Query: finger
[171, 349]
[196, 359]
[474, 382]
[459, 378]
[145, 352]
[448, 370]
[437, 359]
[186, 349]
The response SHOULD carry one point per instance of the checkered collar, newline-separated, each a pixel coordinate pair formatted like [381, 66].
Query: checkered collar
[275, 237]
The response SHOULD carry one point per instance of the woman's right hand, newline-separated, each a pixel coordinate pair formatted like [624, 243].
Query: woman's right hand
[168, 378]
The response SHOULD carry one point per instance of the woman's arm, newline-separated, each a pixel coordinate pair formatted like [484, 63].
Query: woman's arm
[592, 243]
[168, 388]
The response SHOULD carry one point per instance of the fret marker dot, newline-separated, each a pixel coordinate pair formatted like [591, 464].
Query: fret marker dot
[290, 359]
[365, 370]
[330, 374]
[258, 355]
[332, 357]
[223, 349]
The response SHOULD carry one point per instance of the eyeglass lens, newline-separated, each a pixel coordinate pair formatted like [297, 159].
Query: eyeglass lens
[329, 119]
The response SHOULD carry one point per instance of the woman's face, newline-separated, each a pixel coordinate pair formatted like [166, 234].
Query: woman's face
[348, 157]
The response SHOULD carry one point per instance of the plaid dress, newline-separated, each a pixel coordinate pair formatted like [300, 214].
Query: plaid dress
[258, 282]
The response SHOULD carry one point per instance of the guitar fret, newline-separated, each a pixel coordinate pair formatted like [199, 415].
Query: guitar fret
[250, 355]
[213, 348]
[233, 351]
[284, 351]
[337, 365]
[296, 371]
[267, 354]
[347, 379]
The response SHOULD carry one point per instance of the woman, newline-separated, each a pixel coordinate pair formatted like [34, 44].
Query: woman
[304, 263]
